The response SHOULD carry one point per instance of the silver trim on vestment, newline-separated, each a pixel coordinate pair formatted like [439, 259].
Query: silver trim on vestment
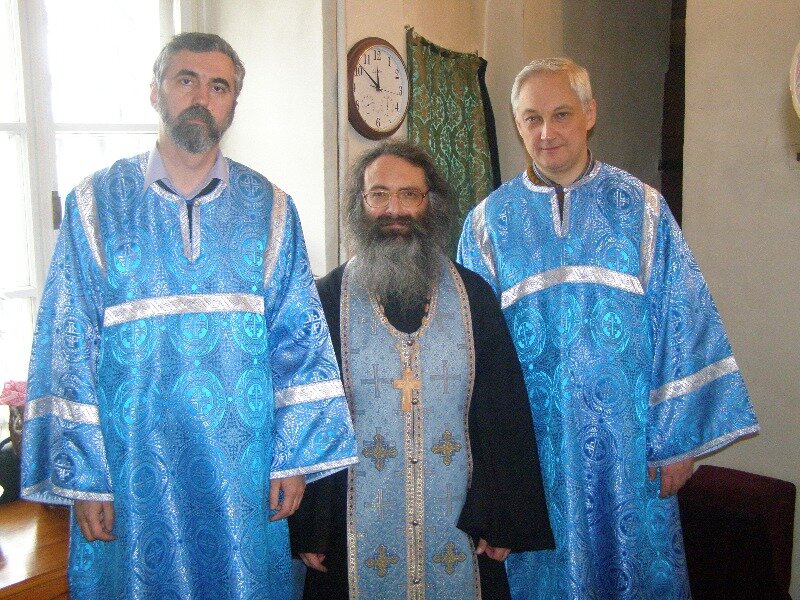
[694, 382]
[652, 209]
[309, 392]
[708, 447]
[276, 232]
[179, 305]
[481, 234]
[570, 274]
[87, 209]
[332, 466]
[76, 412]
[45, 491]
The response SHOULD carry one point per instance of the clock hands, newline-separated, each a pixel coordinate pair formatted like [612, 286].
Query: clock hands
[378, 75]
[375, 83]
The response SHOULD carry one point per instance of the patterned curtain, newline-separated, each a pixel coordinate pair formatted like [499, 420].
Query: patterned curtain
[451, 118]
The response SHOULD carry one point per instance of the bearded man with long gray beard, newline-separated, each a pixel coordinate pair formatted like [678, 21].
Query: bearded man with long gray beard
[448, 481]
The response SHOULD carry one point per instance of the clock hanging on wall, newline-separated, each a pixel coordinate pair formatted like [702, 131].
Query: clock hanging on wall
[378, 88]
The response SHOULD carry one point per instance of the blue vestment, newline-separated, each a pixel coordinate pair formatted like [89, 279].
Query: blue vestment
[627, 366]
[410, 408]
[181, 360]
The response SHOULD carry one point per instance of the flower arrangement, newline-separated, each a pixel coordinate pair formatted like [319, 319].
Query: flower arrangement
[13, 395]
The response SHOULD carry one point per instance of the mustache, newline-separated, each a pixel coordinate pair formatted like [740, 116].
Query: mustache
[197, 112]
[413, 224]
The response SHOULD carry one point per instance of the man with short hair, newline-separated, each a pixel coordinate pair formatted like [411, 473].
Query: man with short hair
[628, 368]
[182, 381]
[448, 480]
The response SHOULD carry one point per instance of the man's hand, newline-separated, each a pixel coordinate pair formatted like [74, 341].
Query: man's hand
[495, 553]
[313, 560]
[672, 476]
[96, 520]
[287, 502]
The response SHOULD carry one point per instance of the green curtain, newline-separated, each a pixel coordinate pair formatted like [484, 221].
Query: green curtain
[451, 118]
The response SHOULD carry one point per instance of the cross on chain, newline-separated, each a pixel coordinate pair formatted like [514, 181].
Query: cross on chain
[407, 384]
[376, 381]
[445, 378]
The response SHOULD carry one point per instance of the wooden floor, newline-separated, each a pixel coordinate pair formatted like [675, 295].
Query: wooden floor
[33, 551]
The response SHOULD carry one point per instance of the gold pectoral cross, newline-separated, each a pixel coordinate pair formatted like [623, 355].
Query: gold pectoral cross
[407, 384]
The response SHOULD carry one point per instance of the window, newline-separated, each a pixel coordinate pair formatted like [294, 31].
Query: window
[76, 98]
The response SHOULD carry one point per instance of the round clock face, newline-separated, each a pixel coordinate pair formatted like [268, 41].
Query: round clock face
[378, 88]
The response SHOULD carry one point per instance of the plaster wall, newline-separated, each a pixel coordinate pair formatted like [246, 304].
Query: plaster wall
[279, 129]
[742, 210]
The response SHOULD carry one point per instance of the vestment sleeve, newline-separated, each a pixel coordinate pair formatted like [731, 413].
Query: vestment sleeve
[313, 433]
[63, 454]
[475, 249]
[698, 399]
[505, 503]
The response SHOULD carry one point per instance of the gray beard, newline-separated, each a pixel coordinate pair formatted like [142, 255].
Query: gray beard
[192, 137]
[396, 268]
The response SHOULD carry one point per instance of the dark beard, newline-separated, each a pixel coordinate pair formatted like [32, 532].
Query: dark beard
[193, 137]
[401, 269]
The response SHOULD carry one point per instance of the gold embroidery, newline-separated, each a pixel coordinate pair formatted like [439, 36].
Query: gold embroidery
[447, 446]
[379, 452]
[449, 558]
[381, 561]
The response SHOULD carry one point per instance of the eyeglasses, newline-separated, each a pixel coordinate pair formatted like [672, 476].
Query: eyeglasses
[408, 197]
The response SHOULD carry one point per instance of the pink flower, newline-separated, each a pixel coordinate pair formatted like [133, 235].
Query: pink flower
[13, 393]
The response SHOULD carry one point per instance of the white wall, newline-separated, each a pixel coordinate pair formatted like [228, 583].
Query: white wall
[279, 129]
[742, 210]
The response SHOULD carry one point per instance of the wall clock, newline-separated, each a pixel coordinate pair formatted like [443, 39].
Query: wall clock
[378, 88]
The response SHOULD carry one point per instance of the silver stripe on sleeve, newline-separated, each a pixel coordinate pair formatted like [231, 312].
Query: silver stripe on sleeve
[708, 447]
[481, 234]
[331, 466]
[276, 232]
[179, 305]
[652, 208]
[77, 412]
[45, 491]
[310, 392]
[576, 274]
[694, 382]
[87, 209]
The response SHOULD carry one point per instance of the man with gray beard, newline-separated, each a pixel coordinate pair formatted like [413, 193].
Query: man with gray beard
[448, 483]
[183, 386]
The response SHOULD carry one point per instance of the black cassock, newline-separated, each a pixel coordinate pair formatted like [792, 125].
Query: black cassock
[505, 504]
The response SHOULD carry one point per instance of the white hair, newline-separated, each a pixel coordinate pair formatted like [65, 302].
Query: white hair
[578, 78]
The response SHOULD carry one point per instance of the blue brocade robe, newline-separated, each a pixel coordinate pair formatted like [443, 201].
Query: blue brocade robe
[627, 366]
[176, 369]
